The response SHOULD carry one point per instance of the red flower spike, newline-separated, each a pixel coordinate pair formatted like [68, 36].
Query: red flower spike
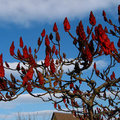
[19, 54]
[118, 44]
[55, 29]
[66, 105]
[41, 78]
[29, 87]
[52, 66]
[32, 61]
[28, 76]
[80, 31]
[93, 36]
[104, 14]
[92, 19]
[59, 107]
[25, 52]
[88, 30]
[43, 33]
[53, 49]
[55, 105]
[2, 72]
[112, 47]
[64, 100]
[106, 30]
[12, 47]
[47, 61]
[88, 53]
[118, 9]
[39, 42]
[56, 52]
[30, 50]
[66, 25]
[97, 72]
[57, 36]
[119, 19]
[80, 81]
[47, 42]
[113, 75]
[25, 80]
[30, 73]
[21, 42]
[48, 50]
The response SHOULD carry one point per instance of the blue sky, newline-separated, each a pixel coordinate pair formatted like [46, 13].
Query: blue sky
[27, 19]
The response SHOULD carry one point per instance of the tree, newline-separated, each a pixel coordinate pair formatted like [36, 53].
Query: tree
[65, 88]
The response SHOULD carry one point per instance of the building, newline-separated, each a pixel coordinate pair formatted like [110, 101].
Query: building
[63, 116]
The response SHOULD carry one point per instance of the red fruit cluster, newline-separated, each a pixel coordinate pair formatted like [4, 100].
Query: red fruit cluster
[43, 33]
[32, 61]
[53, 49]
[92, 19]
[2, 73]
[29, 87]
[12, 47]
[118, 43]
[55, 29]
[66, 25]
[88, 53]
[57, 36]
[25, 52]
[28, 76]
[47, 42]
[21, 42]
[52, 66]
[41, 78]
[103, 40]
[118, 9]
[80, 31]
[112, 76]
[47, 61]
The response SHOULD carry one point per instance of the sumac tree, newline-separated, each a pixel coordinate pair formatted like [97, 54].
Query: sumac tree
[100, 98]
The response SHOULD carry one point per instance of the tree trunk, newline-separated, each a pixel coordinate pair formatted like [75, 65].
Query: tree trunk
[90, 113]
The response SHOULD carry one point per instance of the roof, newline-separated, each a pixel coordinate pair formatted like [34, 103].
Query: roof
[63, 116]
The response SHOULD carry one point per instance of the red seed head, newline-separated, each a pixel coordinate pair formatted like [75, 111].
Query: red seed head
[55, 29]
[92, 19]
[118, 9]
[66, 25]
[43, 33]
[21, 42]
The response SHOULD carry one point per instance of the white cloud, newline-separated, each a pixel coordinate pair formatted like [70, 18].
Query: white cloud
[42, 115]
[38, 115]
[99, 63]
[26, 99]
[23, 12]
